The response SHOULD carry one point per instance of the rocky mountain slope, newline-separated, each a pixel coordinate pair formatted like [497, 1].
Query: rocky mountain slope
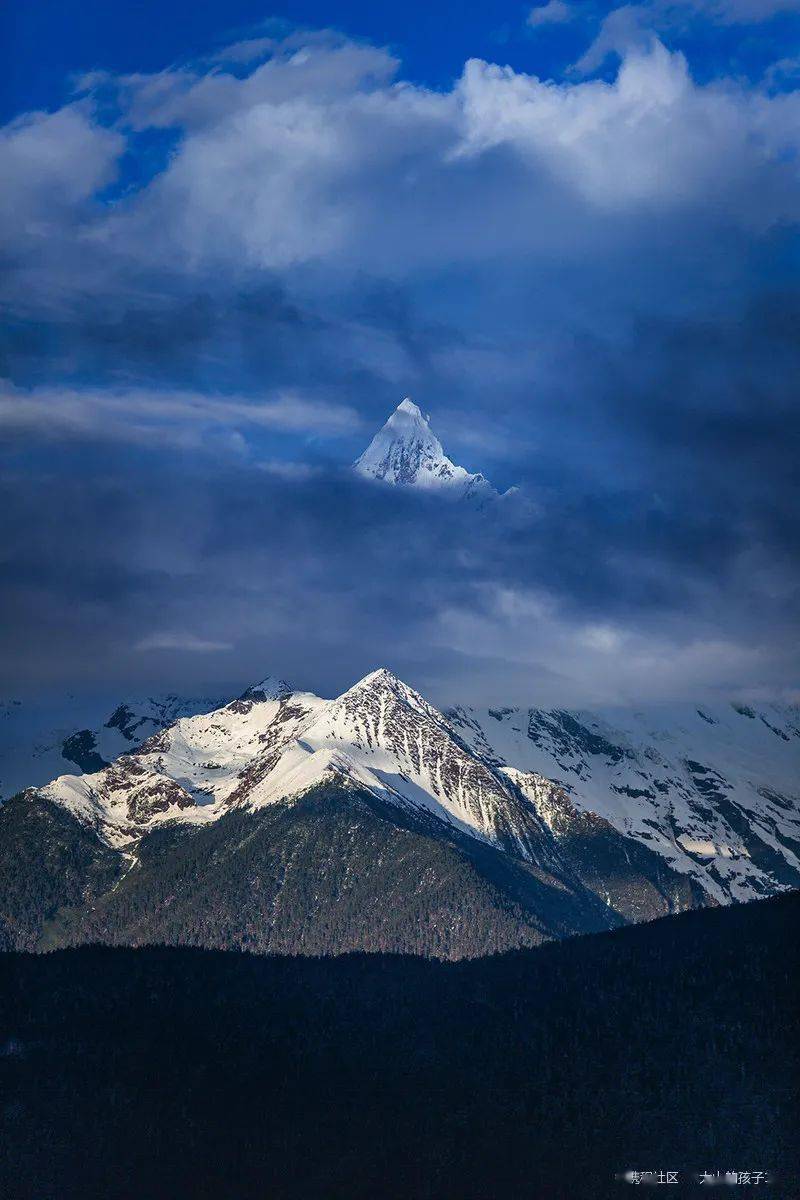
[273, 743]
[285, 821]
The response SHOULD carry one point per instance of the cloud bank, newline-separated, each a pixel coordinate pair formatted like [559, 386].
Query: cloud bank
[220, 279]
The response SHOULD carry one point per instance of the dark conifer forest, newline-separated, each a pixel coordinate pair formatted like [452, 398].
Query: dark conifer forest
[136, 1074]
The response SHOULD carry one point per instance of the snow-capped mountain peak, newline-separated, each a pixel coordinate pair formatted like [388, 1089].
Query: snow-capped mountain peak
[653, 810]
[384, 680]
[407, 452]
[269, 688]
[380, 735]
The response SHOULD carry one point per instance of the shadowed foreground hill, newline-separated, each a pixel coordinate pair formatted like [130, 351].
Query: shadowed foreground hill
[332, 872]
[177, 1073]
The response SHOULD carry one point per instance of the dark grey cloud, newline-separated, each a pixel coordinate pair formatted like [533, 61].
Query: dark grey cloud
[203, 570]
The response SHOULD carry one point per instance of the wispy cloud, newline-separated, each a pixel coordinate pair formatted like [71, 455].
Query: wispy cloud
[182, 642]
[293, 472]
[145, 417]
[630, 26]
[554, 12]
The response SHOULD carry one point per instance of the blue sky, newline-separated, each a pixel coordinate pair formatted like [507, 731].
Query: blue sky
[235, 237]
[47, 42]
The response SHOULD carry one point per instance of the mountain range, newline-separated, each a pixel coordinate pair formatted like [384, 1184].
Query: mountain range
[283, 821]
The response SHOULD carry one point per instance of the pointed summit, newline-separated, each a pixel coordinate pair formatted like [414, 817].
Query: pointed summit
[413, 410]
[384, 680]
[406, 451]
[378, 676]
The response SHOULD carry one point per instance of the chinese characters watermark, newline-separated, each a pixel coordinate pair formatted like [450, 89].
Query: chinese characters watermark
[707, 1178]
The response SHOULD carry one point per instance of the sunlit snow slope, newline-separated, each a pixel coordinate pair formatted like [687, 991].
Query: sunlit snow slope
[714, 790]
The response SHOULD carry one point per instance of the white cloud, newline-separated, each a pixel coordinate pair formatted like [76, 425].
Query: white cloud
[629, 26]
[319, 159]
[554, 12]
[316, 69]
[626, 30]
[653, 136]
[52, 164]
[349, 170]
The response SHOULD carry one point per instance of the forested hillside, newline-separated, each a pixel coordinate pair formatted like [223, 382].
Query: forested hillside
[335, 871]
[136, 1074]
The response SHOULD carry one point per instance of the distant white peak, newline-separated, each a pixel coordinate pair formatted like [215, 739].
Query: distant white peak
[407, 452]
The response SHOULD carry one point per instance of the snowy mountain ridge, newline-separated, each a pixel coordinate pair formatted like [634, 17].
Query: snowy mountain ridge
[271, 745]
[714, 790]
[706, 796]
[39, 742]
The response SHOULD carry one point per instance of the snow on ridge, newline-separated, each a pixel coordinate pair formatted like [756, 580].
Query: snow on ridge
[712, 790]
[387, 738]
[269, 688]
[40, 741]
[382, 679]
[253, 752]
